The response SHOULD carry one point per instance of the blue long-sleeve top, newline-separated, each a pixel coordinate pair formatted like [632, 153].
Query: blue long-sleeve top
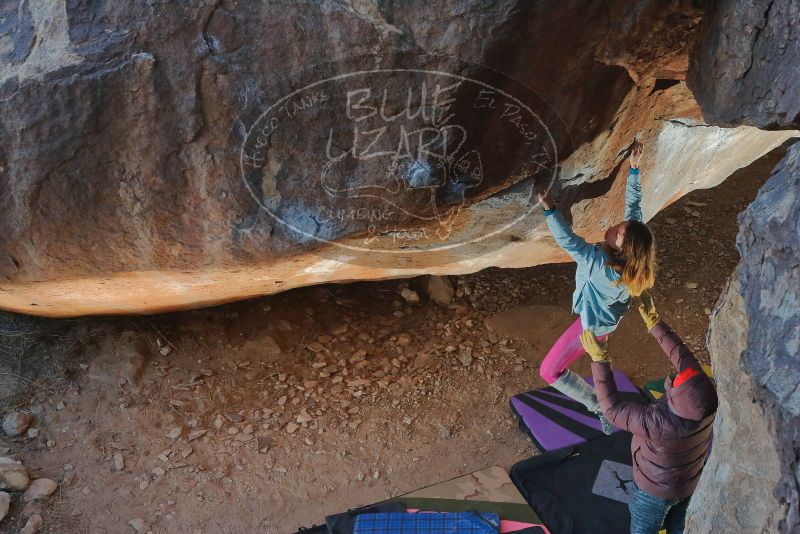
[598, 299]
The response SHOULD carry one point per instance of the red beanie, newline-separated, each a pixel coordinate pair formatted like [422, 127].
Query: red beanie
[684, 375]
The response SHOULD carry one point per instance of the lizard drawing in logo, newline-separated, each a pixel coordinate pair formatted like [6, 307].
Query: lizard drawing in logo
[622, 483]
[425, 175]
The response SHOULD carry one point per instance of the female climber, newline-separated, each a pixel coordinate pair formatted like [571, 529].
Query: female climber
[608, 274]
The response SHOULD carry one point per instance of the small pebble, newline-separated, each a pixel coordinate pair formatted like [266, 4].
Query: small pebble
[138, 525]
[119, 462]
[39, 489]
[16, 423]
[5, 503]
[34, 523]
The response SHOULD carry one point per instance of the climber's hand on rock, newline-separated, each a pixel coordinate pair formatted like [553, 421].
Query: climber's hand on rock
[636, 154]
[648, 310]
[597, 350]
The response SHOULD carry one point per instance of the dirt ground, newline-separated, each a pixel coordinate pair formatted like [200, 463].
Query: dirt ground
[266, 415]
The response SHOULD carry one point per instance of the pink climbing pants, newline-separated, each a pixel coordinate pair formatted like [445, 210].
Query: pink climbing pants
[567, 349]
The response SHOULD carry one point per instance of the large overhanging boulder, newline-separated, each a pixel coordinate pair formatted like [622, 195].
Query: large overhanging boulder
[752, 481]
[746, 70]
[158, 156]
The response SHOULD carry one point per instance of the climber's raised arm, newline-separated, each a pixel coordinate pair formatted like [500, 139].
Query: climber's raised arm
[626, 414]
[670, 342]
[633, 186]
[574, 245]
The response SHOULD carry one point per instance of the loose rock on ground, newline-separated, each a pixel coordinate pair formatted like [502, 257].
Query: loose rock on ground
[16, 423]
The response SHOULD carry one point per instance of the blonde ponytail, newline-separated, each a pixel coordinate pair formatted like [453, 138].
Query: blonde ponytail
[636, 260]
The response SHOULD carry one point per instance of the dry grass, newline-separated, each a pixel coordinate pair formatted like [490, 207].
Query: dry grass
[37, 358]
[36, 354]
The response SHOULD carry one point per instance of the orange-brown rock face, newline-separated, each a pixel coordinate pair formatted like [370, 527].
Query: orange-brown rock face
[159, 157]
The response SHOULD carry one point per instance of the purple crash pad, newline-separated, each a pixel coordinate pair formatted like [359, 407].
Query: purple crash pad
[554, 421]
